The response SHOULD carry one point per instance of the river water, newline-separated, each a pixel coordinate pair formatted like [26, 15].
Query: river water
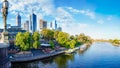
[98, 55]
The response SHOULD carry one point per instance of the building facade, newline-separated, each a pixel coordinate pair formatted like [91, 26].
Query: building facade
[51, 25]
[33, 23]
[43, 24]
[55, 25]
[18, 20]
[26, 26]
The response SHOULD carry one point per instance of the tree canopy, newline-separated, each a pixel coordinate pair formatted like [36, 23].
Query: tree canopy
[27, 41]
[47, 34]
[23, 40]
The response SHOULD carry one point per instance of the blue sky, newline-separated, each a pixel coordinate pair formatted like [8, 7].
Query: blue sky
[99, 19]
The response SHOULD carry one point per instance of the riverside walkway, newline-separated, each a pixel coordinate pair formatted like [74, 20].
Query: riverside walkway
[36, 57]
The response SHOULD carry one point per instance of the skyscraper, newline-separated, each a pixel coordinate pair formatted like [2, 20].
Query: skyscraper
[33, 23]
[55, 25]
[26, 26]
[18, 20]
[43, 24]
[51, 25]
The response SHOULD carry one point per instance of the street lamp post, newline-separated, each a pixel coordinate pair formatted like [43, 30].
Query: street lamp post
[4, 11]
[4, 44]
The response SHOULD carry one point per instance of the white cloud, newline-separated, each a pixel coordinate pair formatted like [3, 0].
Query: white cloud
[90, 14]
[26, 6]
[100, 21]
[74, 28]
[83, 25]
[13, 19]
[63, 16]
[109, 18]
[85, 12]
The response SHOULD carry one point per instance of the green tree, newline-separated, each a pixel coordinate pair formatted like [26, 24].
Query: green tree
[27, 39]
[84, 39]
[47, 34]
[23, 40]
[36, 36]
[72, 37]
[63, 38]
[72, 43]
[116, 42]
[36, 42]
[56, 34]
[18, 39]
[52, 44]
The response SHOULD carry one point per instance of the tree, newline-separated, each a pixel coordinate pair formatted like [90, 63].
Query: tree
[28, 39]
[116, 42]
[63, 38]
[47, 34]
[18, 39]
[81, 38]
[84, 39]
[36, 44]
[36, 37]
[72, 43]
[52, 44]
[56, 34]
[23, 40]
[72, 37]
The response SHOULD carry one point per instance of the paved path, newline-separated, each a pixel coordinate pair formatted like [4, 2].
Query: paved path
[36, 56]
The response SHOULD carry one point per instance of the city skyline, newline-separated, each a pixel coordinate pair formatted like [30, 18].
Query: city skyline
[98, 19]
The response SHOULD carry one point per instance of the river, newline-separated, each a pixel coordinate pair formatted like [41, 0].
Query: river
[98, 55]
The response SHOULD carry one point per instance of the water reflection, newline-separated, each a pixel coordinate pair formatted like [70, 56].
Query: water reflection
[62, 60]
[52, 62]
[83, 51]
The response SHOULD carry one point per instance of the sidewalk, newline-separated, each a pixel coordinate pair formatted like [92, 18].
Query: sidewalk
[36, 56]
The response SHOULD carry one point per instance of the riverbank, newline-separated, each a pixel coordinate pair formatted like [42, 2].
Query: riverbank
[38, 55]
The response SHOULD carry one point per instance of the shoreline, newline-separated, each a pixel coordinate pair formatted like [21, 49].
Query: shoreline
[35, 57]
[43, 56]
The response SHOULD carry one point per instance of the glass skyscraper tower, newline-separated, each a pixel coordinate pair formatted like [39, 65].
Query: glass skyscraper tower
[18, 20]
[33, 23]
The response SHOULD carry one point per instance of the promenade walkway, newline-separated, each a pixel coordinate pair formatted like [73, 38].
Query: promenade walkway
[36, 56]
